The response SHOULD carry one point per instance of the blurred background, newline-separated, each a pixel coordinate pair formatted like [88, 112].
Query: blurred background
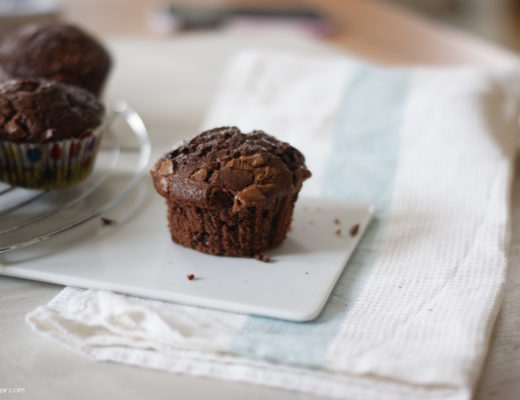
[496, 20]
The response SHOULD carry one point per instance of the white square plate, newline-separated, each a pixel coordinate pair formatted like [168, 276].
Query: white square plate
[137, 257]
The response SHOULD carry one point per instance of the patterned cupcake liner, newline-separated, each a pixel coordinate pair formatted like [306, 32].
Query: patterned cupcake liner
[49, 165]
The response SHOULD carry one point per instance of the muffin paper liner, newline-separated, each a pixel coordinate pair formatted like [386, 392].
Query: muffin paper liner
[49, 165]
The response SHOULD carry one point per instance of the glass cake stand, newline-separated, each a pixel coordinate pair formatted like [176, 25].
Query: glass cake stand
[31, 216]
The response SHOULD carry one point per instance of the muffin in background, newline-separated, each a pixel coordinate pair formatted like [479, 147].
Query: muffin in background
[230, 193]
[49, 133]
[54, 51]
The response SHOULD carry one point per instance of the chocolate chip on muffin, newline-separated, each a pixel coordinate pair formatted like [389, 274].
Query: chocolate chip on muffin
[230, 193]
[41, 111]
[58, 52]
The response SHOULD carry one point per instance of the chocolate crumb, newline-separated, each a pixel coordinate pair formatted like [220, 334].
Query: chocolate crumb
[338, 232]
[190, 277]
[337, 221]
[107, 221]
[354, 230]
[262, 257]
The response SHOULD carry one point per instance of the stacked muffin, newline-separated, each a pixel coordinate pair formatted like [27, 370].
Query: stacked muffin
[57, 52]
[51, 119]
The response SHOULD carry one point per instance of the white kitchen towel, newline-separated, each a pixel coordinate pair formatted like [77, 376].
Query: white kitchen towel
[411, 317]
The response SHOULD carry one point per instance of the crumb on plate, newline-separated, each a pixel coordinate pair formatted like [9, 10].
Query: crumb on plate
[107, 221]
[262, 257]
[354, 230]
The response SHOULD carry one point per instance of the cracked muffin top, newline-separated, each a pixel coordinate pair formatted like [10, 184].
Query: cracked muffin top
[41, 111]
[59, 52]
[224, 167]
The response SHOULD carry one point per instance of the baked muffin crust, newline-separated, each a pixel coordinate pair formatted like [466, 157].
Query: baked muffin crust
[224, 167]
[41, 111]
[59, 52]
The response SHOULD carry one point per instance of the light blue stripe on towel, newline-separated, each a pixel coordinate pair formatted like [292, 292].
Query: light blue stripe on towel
[361, 168]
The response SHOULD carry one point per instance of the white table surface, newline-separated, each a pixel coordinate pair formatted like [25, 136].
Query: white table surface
[47, 370]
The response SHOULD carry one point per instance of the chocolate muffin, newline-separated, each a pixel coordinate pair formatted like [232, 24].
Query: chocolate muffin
[49, 133]
[41, 111]
[58, 52]
[230, 193]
